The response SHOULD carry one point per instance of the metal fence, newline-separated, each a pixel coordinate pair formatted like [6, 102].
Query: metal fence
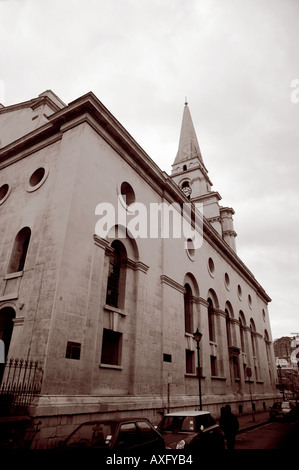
[21, 382]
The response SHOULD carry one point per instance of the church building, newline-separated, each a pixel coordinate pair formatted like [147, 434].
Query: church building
[99, 301]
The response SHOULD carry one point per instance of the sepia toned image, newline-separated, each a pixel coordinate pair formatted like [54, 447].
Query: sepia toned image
[148, 227]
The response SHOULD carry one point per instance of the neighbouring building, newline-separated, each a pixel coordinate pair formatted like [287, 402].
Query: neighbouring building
[286, 351]
[97, 317]
[283, 347]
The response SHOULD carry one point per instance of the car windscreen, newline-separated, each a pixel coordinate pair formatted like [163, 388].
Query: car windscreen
[177, 424]
[186, 423]
[92, 435]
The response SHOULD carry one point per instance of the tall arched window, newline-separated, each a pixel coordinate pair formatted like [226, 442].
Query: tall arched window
[267, 343]
[19, 251]
[188, 307]
[211, 319]
[242, 324]
[117, 275]
[252, 335]
[254, 346]
[228, 332]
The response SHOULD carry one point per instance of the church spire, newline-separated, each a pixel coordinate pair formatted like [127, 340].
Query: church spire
[188, 144]
[191, 176]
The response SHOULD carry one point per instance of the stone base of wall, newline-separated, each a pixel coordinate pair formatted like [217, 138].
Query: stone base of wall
[55, 417]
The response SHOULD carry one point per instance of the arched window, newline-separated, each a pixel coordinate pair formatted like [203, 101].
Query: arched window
[211, 319]
[242, 324]
[228, 332]
[188, 307]
[267, 343]
[19, 251]
[252, 335]
[117, 275]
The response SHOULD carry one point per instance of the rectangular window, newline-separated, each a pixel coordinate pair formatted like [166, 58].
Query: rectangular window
[167, 358]
[111, 347]
[236, 367]
[73, 350]
[213, 360]
[189, 362]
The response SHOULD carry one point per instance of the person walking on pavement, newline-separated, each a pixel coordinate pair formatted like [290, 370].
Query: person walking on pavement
[230, 425]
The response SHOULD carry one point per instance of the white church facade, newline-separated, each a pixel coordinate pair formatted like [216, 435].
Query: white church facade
[109, 314]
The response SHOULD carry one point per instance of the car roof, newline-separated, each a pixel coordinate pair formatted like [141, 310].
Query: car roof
[115, 420]
[188, 413]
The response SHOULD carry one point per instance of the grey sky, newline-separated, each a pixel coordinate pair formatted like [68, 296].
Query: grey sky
[234, 60]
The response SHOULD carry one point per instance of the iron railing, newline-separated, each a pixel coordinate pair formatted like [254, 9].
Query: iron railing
[21, 382]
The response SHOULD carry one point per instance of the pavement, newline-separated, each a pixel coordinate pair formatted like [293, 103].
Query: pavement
[250, 421]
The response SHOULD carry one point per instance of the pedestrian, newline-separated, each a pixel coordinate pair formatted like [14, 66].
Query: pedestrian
[230, 425]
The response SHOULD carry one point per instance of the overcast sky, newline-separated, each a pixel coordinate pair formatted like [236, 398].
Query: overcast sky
[234, 60]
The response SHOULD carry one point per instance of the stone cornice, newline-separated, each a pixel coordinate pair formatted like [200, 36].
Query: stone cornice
[28, 145]
[226, 209]
[209, 195]
[131, 264]
[18, 321]
[33, 104]
[258, 335]
[101, 242]
[203, 302]
[170, 282]
[219, 312]
[246, 328]
[214, 219]
[104, 244]
[199, 300]
[136, 265]
[230, 232]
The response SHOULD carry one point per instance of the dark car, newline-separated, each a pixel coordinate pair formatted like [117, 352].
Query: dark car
[117, 434]
[284, 411]
[191, 430]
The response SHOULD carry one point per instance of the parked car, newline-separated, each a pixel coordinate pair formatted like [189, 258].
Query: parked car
[191, 430]
[117, 434]
[285, 410]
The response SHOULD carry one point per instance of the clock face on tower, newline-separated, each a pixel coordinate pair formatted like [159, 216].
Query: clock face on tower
[186, 188]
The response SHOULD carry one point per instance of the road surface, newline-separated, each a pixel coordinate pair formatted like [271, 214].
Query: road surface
[273, 435]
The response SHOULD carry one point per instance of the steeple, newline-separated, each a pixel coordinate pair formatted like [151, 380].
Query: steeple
[188, 144]
[191, 175]
[188, 169]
